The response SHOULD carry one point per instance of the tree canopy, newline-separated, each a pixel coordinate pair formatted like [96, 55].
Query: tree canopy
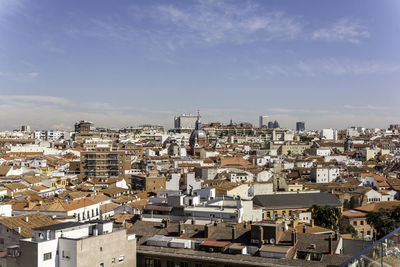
[384, 221]
[327, 216]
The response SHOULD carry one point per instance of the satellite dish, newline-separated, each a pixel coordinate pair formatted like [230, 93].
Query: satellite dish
[41, 236]
[272, 241]
[16, 253]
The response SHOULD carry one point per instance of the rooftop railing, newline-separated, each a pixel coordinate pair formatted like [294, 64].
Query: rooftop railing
[385, 253]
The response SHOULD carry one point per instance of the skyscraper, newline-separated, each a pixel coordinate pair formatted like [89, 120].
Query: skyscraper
[300, 126]
[263, 121]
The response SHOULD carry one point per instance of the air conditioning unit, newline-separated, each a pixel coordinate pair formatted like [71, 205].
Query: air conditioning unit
[211, 250]
[254, 241]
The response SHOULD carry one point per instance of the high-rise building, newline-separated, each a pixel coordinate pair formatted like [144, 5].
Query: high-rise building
[84, 126]
[25, 128]
[300, 126]
[270, 124]
[276, 124]
[263, 121]
[185, 122]
[104, 162]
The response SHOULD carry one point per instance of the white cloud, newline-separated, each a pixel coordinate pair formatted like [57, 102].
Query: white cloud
[367, 107]
[211, 21]
[34, 99]
[340, 67]
[326, 66]
[20, 75]
[173, 25]
[344, 30]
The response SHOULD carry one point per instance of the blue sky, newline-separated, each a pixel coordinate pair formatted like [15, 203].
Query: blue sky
[119, 63]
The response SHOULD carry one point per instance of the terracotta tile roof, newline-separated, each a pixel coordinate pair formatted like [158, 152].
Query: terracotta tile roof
[379, 205]
[108, 207]
[377, 177]
[34, 220]
[99, 198]
[60, 205]
[114, 190]
[39, 188]
[234, 161]
[4, 169]
[14, 186]
[353, 213]
[32, 179]
[138, 204]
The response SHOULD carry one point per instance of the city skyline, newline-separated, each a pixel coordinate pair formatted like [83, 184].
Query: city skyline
[129, 63]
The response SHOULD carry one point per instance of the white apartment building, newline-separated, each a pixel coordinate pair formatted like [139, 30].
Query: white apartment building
[75, 245]
[324, 174]
[328, 134]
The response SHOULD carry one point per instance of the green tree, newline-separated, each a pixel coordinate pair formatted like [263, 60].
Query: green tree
[326, 216]
[384, 221]
[346, 228]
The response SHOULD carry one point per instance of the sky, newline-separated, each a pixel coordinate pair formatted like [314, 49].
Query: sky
[124, 63]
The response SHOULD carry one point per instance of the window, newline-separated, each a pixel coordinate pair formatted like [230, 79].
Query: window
[157, 263]
[121, 258]
[46, 256]
[361, 222]
[355, 223]
[149, 262]
[268, 214]
[102, 264]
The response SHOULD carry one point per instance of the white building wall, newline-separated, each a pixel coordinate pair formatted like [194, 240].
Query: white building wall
[46, 247]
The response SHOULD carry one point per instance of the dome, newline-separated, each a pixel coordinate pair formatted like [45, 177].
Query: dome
[199, 134]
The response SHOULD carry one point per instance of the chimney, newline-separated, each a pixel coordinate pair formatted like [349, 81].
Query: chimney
[330, 245]
[208, 228]
[304, 228]
[336, 235]
[193, 221]
[234, 233]
[181, 228]
[18, 229]
[245, 225]
[165, 222]
[294, 237]
[26, 219]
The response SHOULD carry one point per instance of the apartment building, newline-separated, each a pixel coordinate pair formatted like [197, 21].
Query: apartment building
[75, 245]
[324, 174]
[103, 162]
